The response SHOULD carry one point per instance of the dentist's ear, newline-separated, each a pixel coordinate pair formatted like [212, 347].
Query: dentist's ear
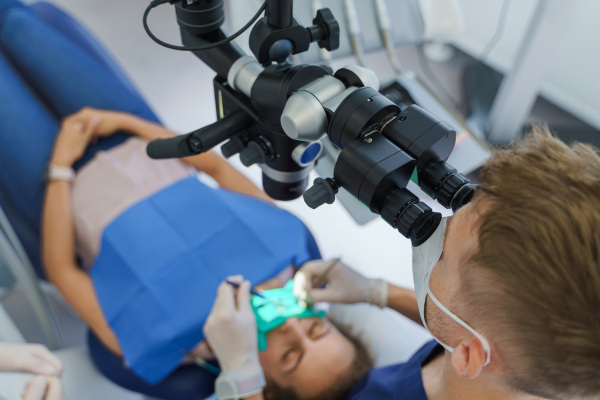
[468, 358]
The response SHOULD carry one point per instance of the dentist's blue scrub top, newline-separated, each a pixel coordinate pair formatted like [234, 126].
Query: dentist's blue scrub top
[399, 381]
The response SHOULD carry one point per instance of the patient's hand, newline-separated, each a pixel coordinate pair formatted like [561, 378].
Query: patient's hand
[108, 121]
[72, 140]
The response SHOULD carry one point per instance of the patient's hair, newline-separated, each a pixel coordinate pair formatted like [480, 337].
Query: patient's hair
[534, 282]
[362, 363]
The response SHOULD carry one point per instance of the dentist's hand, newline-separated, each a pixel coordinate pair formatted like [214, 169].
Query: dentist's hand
[230, 330]
[43, 388]
[30, 358]
[344, 285]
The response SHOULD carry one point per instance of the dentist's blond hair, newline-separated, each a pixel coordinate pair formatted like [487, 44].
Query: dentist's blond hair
[534, 282]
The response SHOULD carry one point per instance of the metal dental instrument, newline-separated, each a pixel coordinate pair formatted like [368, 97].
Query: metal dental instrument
[354, 31]
[237, 285]
[322, 278]
[385, 28]
[203, 363]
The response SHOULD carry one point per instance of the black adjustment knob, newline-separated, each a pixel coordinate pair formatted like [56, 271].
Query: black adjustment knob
[252, 154]
[232, 147]
[322, 191]
[326, 30]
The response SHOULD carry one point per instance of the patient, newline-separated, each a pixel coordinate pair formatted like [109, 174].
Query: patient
[138, 247]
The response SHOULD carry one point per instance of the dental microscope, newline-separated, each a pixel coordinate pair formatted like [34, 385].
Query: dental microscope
[277, 115]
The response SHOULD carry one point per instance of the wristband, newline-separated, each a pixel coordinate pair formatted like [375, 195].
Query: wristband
[58, 173]
[238, 385]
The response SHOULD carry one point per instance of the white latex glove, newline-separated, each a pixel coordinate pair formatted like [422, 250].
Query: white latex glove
[344, 285]
[31, 358]
[230, 330]
[43, 388]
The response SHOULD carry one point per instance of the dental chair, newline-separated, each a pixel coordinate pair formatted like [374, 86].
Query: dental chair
[395, 340]
[81, 379]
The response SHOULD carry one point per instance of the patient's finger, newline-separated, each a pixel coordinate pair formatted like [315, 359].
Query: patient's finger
[90, 127]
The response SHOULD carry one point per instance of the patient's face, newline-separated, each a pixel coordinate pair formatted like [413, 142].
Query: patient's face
[306, 355]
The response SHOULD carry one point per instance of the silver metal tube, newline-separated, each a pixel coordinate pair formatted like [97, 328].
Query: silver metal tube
[243, 73]
[354, 31]
[385, 27]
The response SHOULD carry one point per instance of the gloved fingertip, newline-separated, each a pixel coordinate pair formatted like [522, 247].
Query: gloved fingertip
[35, 388]
[49, 369]
[236, 278]
[39, 381]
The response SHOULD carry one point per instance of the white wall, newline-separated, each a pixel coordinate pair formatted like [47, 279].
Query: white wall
[572, 80]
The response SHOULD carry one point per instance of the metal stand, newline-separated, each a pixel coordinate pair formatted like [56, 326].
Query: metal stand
[520, 86]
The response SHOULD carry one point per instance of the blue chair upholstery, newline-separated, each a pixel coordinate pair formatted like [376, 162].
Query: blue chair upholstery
[183, 383]
[69, 27]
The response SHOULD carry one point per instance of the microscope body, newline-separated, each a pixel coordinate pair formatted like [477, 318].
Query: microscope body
[275, 115]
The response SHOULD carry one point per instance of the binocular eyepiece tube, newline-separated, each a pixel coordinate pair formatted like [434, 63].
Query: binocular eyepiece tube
[382, 148]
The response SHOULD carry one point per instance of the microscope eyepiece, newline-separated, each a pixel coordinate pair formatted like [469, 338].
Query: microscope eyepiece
[442, 182]
[410, 216]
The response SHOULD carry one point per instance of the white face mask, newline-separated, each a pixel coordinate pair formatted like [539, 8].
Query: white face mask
[425, 257]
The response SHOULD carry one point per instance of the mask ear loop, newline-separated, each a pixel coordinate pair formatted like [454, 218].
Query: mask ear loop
[439, 247]
[484, 342]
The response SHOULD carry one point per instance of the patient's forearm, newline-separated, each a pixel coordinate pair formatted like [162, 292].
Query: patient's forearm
[58, 249]
[58, 236]
[230, 178]
[404, 301]
[210, 163]
[143, 128]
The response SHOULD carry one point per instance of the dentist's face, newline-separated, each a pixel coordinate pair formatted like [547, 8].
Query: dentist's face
[307, 356]
[459, 244]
